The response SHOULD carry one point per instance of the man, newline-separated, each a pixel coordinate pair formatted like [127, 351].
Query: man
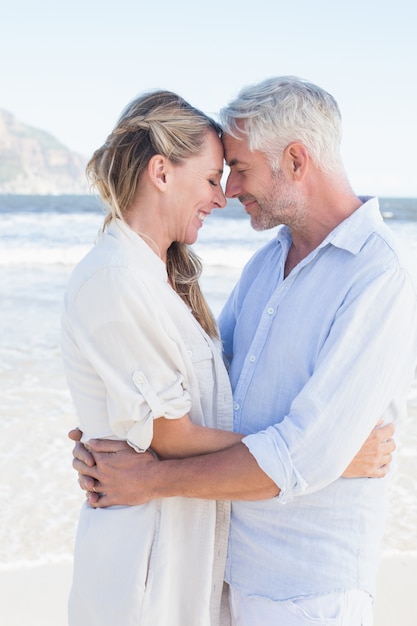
[321, 336]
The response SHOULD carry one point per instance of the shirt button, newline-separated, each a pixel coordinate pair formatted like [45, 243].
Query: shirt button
[138, 379]
[270, 310]
[252, 358]
[236, 406]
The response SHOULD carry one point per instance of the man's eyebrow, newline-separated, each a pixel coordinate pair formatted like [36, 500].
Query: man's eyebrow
[232, 162]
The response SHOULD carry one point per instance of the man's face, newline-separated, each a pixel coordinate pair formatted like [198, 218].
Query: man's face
[266, 194]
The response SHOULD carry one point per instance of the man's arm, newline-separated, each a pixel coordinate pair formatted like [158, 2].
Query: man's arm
[123, 476]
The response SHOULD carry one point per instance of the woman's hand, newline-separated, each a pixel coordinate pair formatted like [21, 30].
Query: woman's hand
[374, 458]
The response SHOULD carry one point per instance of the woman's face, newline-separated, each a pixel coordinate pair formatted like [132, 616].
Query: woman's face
[196, 190]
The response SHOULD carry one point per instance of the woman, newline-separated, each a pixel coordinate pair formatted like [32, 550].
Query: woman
[143, 364]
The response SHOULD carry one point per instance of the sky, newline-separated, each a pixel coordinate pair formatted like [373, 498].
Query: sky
[70, 67]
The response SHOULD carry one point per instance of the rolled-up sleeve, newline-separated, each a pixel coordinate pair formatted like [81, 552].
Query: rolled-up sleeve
[273, 457]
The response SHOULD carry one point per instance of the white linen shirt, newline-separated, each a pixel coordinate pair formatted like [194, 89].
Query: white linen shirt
[133, 352]
[316, 359]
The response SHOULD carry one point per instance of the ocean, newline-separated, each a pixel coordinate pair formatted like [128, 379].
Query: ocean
[42, 238]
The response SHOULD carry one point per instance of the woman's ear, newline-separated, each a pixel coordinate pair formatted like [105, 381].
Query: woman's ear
[297, 158]
[157, 170]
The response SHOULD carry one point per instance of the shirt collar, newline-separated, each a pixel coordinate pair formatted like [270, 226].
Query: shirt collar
[350, 234]
[137, 246]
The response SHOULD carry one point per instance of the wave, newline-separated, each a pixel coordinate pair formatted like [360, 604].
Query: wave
[35, 233]
[40, 256]
[214, 258]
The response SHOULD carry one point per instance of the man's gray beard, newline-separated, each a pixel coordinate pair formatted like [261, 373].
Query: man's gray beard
[279, 207]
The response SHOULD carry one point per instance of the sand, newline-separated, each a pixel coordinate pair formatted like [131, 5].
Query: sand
[37, 595]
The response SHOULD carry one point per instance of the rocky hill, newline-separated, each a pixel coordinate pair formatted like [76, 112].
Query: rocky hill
[34, 162]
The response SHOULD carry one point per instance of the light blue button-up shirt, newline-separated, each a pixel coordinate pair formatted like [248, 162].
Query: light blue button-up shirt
[315, 360]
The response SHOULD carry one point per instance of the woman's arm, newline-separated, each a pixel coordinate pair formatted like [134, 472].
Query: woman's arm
[180, 438]
[374, 458]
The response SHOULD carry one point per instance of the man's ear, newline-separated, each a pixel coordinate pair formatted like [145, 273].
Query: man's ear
[297, 158]
[157, 171]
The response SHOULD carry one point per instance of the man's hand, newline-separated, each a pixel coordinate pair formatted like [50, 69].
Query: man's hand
[374, 458]
[111, 472]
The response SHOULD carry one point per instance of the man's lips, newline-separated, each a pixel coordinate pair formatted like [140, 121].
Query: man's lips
[248, 204]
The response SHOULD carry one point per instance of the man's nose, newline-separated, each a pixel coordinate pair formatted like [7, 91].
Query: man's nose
[232, 188]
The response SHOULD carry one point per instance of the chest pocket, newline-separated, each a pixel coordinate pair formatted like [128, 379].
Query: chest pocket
[202, 361]
[199, 352]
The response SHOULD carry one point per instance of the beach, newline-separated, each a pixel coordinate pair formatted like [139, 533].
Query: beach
[41, 240]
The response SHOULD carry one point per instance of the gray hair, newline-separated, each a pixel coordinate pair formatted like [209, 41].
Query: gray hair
[280, 110]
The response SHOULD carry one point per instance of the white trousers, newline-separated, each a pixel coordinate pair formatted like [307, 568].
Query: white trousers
[349, 608]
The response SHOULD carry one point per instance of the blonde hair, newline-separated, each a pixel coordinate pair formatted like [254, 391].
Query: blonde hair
[159, 122]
